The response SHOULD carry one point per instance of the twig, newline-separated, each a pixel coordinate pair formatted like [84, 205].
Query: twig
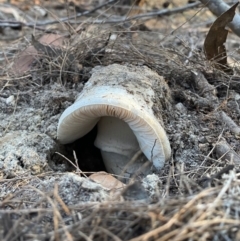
[207, 181]
[175, 218]
[109, 233]
[14, 111]
[233, 127]
[164, 12]
[66, 19]
[153, 149]
[57, 217]
[11, 233]
[205, 89]
[224, 151]
[76, 166]
[145, 16]
[219, 138]
[60, 201]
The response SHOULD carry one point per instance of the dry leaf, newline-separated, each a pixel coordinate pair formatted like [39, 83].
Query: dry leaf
[23, 62]
[214, 44]
[106, 180]
[45, 49]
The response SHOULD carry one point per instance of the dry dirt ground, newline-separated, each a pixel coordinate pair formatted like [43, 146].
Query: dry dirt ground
[43, 196]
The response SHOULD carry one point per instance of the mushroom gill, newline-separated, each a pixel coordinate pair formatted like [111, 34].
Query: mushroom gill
[119, 99]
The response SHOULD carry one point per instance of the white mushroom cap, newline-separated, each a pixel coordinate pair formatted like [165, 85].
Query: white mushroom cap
[94, 103]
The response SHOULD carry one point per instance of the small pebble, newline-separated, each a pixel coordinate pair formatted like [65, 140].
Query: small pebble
[10, 100]
[181, 108]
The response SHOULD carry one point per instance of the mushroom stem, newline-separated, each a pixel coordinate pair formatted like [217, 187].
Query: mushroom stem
[115, 135]
[118, 144]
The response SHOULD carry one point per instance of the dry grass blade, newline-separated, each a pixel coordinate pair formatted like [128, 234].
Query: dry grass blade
[180, 218]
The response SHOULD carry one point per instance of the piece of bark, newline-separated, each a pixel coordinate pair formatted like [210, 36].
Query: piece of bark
[209, 181]
[205, 89]
[193, 99]
[224, 151]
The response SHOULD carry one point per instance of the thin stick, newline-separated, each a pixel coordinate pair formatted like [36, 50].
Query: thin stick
[77, 168]
[145, 16]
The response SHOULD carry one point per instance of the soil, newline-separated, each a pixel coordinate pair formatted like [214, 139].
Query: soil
[43, 195]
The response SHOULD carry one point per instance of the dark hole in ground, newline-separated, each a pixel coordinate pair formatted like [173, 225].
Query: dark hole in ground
[89, 157]
[20, 161]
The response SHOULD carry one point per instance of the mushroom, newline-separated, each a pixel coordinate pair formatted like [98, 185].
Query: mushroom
[119, 99]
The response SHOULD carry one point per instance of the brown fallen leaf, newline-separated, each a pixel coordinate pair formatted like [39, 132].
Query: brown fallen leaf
[45, 49]
[25, 59]
[106, 180]
[214, 43]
